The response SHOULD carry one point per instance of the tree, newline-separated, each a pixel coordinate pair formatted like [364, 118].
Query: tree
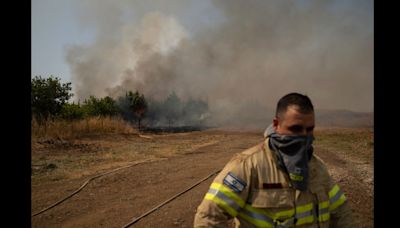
[138, 105]
[124, 108]
[71, 111]
[173, 108]
[100, 107]
[108, 106]
[48, 96]
[154, 112]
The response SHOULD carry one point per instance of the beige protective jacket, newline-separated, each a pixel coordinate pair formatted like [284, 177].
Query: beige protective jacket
[256, 193]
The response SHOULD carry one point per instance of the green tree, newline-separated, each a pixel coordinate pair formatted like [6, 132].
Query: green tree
[108, 106]
[72, 111]
[48, 96]
[100, 107]
[138, 104]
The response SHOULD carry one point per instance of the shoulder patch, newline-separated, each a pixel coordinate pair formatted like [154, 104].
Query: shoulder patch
[234, 183]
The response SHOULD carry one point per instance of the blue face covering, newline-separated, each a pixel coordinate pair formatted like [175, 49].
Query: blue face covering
[293, 153]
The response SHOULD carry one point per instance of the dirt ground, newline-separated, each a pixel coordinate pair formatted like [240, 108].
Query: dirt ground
[165, 164]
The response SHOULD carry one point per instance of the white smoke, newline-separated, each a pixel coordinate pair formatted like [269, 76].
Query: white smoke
[255, 54]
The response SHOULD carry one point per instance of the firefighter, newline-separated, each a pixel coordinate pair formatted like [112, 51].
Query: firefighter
[280, 182]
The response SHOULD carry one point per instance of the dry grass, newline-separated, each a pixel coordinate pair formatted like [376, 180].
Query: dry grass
[357, 142]
[84, 156]
[61, 160]
[63, 129]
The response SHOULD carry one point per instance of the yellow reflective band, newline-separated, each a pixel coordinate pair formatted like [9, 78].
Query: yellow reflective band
[304, 208]
[256, 222]
[334, 190]
[280, 214]
[308, 219]
[227, 200]
[255, 215]
[324, 217]
[337, 203]
[222, 204]
[323, 205]
[296, 177]
[229, 193]
[324, 214]
[269, 214]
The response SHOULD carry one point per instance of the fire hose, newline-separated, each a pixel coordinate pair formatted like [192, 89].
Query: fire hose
[114, 170]
[82, 186]
[169, 200]
[86, 182]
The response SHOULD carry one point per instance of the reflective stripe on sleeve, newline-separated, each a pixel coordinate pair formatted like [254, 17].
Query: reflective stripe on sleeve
[226, 204]
[225, 198]
[304, 214]
[336, 198]
[323, 211]
[228, 192]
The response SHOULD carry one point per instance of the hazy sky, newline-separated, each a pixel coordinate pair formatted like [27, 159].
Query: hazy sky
[56, 24]
[228, 52]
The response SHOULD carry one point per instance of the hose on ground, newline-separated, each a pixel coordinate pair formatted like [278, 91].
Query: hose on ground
[82, 186]
[170, 199]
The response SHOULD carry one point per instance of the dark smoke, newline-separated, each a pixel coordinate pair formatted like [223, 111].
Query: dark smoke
[256, 52]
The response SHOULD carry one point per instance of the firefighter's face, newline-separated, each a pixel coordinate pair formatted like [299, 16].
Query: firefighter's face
[294, 122]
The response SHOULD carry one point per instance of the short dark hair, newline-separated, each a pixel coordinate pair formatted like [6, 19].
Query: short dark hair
[303, 102]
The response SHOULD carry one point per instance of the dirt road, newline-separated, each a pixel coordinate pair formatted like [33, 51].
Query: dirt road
[115, 199]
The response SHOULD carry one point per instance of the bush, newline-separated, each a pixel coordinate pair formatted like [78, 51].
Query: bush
[100, 107]
[48, 96]
[72, 112]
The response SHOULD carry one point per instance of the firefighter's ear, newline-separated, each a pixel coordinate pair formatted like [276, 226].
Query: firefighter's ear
[275, 123]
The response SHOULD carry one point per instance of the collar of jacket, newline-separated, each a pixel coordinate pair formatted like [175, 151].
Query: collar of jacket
[270, 153]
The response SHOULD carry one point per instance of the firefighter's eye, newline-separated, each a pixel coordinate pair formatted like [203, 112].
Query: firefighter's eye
[310, 129]
[296, 128]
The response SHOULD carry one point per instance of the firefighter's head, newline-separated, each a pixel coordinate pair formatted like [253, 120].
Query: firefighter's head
[294, 115]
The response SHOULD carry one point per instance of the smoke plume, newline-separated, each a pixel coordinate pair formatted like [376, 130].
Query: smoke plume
[252, 54]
